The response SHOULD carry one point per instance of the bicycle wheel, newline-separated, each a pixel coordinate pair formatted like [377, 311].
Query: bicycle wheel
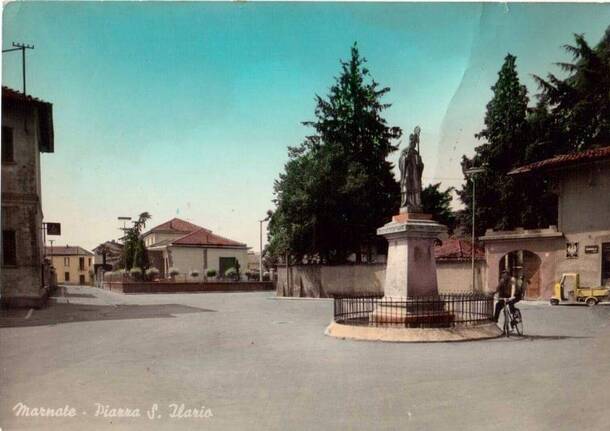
[517, 321]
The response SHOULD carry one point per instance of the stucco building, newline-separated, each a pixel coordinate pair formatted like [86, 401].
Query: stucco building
[581, 240]
[187, 247]
[73, 264]
[27, 131]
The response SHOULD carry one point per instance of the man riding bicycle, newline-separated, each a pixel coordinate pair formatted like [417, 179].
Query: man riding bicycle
[509, 291]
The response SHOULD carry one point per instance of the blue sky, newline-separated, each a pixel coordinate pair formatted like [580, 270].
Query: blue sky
[186, 109]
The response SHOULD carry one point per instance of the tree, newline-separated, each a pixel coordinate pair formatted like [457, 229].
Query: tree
[337, 186]
[134, 250]
[505, 135]
[579, 105]
[438, 203]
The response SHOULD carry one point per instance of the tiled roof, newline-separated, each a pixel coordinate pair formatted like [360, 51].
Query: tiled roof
[457, 249]
[67, 250]
[162, 243]
[46, 139]
[111, 246]
[9, 93]
[175, 225]
[564, 160]
[204, 237]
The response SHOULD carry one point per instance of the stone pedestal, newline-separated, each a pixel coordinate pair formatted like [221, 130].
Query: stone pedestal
[411, 272]
[411, 266]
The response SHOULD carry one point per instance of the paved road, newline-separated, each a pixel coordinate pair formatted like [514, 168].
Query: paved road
[259, 363]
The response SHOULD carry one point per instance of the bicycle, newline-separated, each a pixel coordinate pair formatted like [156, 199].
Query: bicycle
[512, 321]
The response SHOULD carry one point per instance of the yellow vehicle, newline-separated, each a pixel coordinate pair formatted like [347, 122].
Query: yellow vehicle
[568, 290]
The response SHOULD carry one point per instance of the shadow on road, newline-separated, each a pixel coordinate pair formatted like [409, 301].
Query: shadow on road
[57, 313]
[544, 337]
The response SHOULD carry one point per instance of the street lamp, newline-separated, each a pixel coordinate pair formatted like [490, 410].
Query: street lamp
[260, 257]
[472, 174]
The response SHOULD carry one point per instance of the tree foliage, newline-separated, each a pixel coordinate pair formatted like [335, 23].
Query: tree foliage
[505, 142]
[337, 186]
[438, 203]
[572, 114]
[579, 104]
[134, 250]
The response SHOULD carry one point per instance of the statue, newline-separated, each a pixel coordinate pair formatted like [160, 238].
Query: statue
[411, 168]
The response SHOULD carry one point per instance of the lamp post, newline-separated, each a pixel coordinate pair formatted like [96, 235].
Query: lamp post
[471, 173]
[260, 257]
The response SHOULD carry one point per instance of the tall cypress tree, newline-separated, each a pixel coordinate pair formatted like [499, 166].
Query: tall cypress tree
[338, 187]
[498, 197]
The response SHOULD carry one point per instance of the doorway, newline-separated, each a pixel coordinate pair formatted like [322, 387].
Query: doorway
[606, 263]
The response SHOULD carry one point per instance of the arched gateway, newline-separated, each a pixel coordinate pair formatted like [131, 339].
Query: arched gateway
[532, 253]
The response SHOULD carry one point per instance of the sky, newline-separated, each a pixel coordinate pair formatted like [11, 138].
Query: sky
[187, 109]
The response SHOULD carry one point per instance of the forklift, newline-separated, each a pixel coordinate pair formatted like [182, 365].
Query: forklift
[569, 291]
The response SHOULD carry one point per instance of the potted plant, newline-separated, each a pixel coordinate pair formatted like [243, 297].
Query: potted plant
[173, 272]
[152, 273]
[194, 273]
[211, 273]
[136, 273]
[232, 274]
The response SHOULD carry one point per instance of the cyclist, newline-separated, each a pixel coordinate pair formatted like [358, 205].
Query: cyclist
[509, 291]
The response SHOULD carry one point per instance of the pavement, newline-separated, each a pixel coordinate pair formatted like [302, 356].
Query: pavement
[239, 361]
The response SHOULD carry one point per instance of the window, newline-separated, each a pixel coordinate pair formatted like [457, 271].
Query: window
[9, 247]
[66, 276]
[89, 262]
[8, 150]
[81, 279]
[66, 261]
[81, 263]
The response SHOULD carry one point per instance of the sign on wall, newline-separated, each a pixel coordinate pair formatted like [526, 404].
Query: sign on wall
[591, 249]
[53, 228]
[572, 250]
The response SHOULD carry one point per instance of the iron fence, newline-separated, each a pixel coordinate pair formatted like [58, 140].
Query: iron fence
[443, 310]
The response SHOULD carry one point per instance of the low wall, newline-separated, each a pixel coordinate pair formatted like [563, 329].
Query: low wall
[318, 281]
[177, 287]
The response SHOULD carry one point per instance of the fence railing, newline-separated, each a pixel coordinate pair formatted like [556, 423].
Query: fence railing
[443, 310]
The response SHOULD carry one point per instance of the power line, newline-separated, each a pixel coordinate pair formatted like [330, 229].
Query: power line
[21, 47]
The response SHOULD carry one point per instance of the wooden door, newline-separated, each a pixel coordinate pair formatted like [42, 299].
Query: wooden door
[531, 273]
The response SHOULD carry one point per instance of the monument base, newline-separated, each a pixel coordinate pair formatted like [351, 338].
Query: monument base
[411, 317]
[413, 335]
[411, 266]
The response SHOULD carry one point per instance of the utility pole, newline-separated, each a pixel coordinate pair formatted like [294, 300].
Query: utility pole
[21, 47]
[124, 229]
[471, 173]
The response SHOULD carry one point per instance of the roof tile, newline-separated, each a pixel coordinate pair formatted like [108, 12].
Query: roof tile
[204, 237]
[564, 160]
[67, 250]
[457, 249]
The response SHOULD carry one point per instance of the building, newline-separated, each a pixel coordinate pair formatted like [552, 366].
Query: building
[73, 264]
[454, 266]
[187, 247]
[581, 240]
[27, 131]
